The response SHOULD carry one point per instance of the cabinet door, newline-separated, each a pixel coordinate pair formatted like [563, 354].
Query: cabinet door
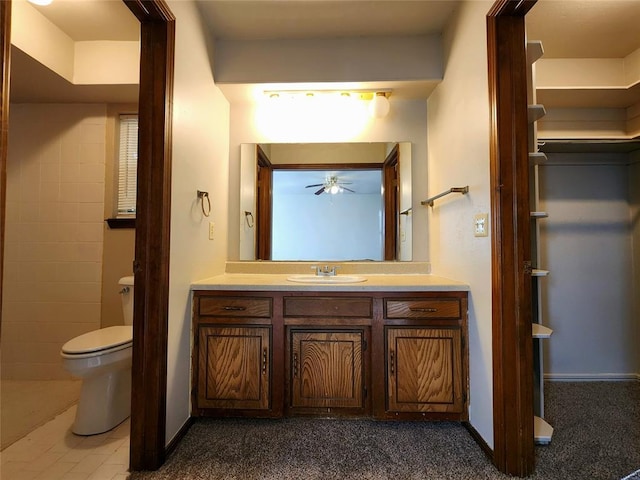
[233, 367]
[424, 370]
[326, 369]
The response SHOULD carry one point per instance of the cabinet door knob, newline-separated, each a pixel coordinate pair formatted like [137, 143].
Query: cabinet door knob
[391, 362]
[264, 361]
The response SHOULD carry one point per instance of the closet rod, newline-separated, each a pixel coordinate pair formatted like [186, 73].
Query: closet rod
[429, 201]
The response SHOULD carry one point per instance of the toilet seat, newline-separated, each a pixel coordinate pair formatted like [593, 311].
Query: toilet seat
[99, 342]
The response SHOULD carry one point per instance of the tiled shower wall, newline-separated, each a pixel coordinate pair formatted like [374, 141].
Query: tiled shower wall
[54, 234]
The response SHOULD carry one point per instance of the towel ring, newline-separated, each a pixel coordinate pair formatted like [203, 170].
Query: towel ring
[202, 195]
[248, 216]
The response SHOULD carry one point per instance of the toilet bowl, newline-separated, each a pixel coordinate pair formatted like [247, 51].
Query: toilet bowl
[102, 360]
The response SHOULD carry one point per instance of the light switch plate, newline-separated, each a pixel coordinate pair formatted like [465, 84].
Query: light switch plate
[481, 225]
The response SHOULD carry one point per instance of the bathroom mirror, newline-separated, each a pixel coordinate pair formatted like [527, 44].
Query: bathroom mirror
[325, 202]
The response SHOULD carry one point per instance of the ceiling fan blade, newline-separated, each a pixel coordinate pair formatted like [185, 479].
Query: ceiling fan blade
[320, 192]
[315, 185]
[348, 190]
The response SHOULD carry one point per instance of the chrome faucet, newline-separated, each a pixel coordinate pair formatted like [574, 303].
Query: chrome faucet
[325, 270]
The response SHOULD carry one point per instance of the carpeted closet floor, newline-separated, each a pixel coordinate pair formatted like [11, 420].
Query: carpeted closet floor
[597, 436]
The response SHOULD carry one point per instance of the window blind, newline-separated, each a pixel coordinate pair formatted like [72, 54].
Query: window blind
[127, 165]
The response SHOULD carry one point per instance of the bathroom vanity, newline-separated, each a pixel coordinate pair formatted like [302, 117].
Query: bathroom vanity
[391, 347]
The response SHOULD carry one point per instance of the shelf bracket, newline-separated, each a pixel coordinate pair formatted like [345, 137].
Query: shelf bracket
[429, 201]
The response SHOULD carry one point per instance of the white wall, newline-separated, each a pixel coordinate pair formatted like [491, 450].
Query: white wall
[311, 227]
[346, 59]
[458, 140]
[200, 158]
[586, 244]
[406, 122]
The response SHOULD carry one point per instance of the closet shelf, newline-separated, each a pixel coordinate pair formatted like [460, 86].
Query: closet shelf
[535, 112]
[536, 272]
[539, 214]
[542, 431]
[537, 158]
[540, 331]
[534, 51]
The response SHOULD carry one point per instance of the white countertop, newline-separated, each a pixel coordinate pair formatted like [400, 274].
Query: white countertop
[279, 282]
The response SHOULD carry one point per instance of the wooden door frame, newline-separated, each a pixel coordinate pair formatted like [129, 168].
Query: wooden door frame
[264, 182]
[151, 265]
[5, 77]
[513, 413]
[153, 220]
[391, 183]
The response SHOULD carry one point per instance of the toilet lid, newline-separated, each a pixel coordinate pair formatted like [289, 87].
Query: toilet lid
[97, 340]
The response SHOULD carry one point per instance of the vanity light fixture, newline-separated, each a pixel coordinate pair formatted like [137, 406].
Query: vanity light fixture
[379, 106]
[378, 100]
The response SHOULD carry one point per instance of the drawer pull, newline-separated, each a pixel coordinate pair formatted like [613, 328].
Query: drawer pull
[295, 365]
[424, 309]
[391, 362]
[264, 361]
[234, 308]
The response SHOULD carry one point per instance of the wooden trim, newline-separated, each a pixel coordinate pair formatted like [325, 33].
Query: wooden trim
[264, 182]
[511, 249]
[327, 166]
[151, 265]
[391, 183]
[5, 77]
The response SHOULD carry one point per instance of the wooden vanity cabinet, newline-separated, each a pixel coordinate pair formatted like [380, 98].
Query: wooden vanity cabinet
[232, 355]
[400, 356]
[327, 370]
[425, 358]
[424, 370]
[234, 365]
[327, 356]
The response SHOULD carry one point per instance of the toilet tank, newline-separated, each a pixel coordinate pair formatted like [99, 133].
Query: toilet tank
[126, 296]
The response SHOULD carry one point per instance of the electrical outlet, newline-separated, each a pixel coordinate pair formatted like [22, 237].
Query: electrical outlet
[211, 230]
[481, 225]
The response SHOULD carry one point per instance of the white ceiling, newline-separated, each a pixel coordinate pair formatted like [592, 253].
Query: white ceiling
[567, 28]
[585, 28]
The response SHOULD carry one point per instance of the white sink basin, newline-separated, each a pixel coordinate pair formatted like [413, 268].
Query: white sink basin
[326, 280]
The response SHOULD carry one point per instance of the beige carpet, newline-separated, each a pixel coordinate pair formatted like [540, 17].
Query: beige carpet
[27, 404]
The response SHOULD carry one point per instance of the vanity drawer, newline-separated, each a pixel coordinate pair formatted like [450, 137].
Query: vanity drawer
[422, 308]
[328, 307]
[247, 307]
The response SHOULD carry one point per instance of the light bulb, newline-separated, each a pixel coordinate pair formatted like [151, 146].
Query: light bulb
[334, 189]
[379, 106]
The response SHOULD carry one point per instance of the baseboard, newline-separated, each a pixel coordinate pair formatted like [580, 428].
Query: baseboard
[171, 446]
[591, 377]
[488, 451]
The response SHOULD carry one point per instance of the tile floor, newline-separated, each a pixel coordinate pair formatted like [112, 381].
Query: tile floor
[22, 409]
[52, 452]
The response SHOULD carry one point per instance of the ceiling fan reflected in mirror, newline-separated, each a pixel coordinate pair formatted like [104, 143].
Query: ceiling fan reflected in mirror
[331, 185]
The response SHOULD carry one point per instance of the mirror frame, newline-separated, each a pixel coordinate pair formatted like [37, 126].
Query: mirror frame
[264, 190]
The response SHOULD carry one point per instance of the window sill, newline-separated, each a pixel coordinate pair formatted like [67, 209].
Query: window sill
[121, 222]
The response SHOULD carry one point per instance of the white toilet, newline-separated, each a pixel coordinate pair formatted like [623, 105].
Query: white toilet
[102, 359]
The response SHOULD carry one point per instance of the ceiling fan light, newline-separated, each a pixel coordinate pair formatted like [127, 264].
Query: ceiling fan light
[379, 106]
[334, 189]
